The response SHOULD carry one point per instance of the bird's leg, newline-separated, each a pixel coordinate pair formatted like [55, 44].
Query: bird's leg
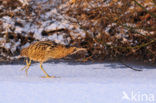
[47, 76]
[25, 65]
[28, 63]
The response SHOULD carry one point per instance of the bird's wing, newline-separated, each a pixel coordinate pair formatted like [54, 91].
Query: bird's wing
[42, 46]
[47, 45]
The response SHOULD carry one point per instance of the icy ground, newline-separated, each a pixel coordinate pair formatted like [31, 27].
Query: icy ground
[77, 83]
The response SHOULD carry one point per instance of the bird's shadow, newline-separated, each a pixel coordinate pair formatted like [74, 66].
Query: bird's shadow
[112, 64]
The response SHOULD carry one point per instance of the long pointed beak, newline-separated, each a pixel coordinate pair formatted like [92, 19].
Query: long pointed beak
[83, 49]
[79, 49]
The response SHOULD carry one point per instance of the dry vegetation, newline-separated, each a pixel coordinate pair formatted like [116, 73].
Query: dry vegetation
[117, 29]
[114, 29]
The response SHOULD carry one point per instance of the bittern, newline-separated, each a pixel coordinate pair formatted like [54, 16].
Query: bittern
[42, 51]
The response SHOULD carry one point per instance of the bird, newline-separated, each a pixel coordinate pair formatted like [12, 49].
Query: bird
[42, 51]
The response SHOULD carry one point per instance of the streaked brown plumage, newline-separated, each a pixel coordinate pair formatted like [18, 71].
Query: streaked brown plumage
[42, 51]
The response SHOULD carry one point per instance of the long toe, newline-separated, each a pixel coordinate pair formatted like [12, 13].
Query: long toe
[23, 68]
[26, 72]
[48, 76]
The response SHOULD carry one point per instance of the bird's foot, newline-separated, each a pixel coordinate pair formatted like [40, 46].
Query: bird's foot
[48, 76]
[28, 63]
[26, 69]
[23, 68]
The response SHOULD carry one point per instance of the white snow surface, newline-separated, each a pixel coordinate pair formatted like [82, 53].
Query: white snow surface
[77, 83]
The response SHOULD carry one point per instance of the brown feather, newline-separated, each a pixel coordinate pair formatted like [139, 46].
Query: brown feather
[44, 50]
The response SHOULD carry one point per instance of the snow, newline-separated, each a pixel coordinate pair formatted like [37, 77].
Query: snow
[77, 83]
[48, 21]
